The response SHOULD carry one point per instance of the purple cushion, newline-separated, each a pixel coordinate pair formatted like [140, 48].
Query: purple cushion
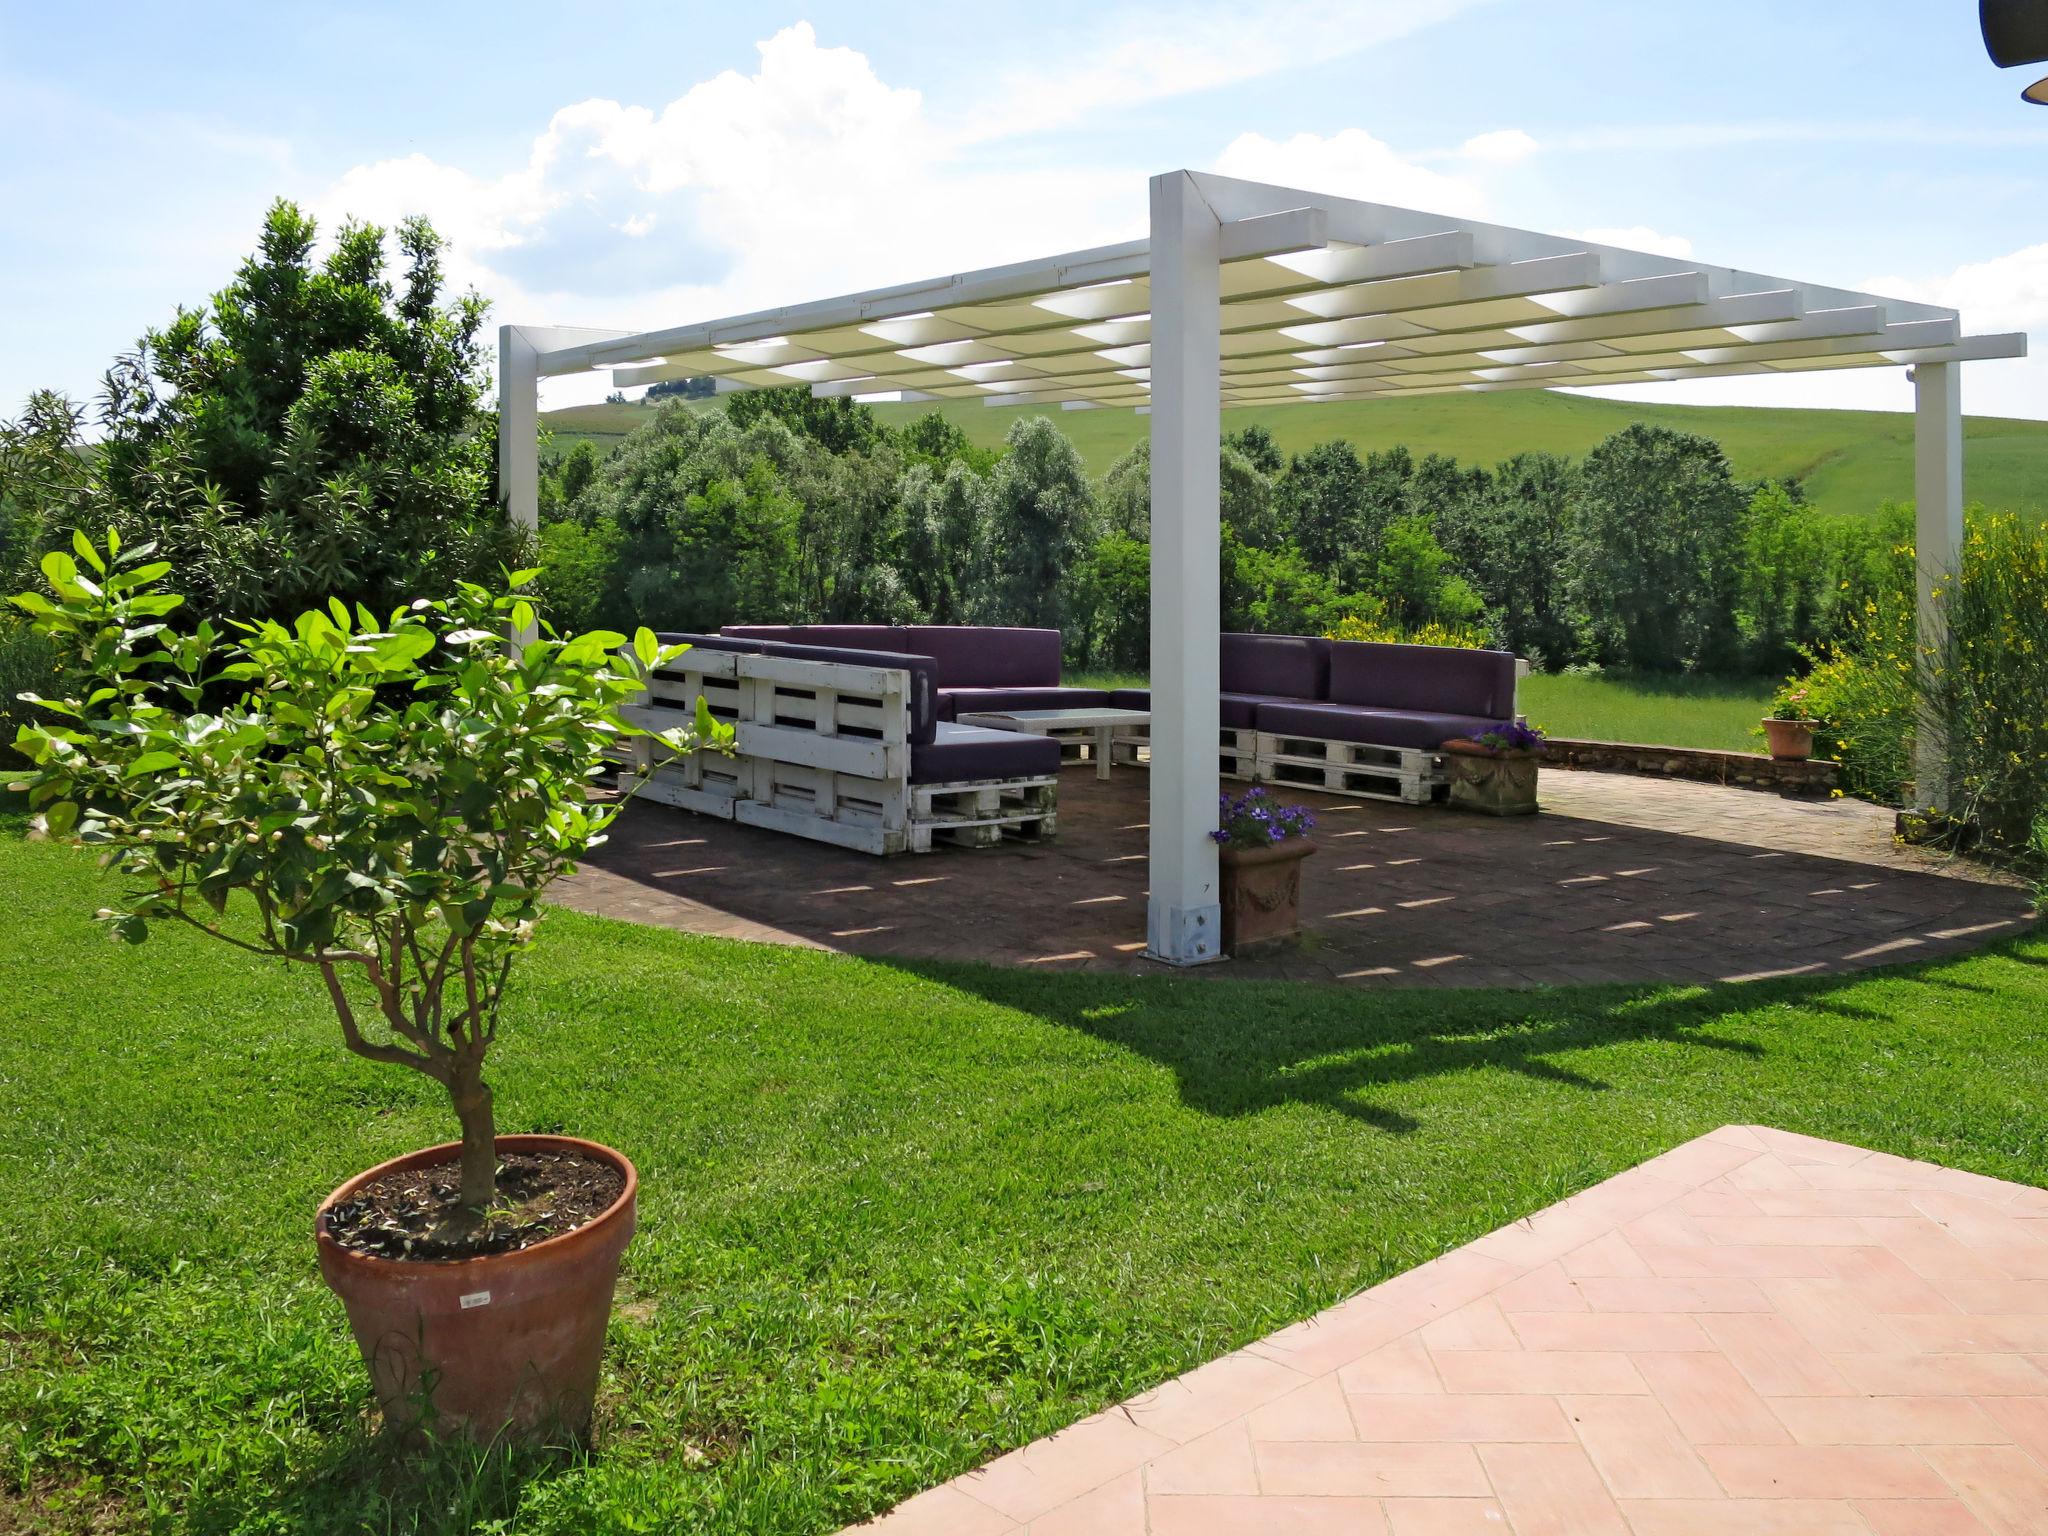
[973, 657]
[968, 656]
[961, 754]
[971, 701]
[1422, 677]
[1237, 711]
[1376, 727]
[1288, 666]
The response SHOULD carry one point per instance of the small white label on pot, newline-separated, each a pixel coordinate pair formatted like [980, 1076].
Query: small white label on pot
[476, 1299]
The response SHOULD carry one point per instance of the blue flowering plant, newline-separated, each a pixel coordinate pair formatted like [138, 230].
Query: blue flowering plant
[1516, 737]
[1255, 819]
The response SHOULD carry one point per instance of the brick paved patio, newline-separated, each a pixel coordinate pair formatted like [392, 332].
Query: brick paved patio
[1756, 1333]
[1623, 879]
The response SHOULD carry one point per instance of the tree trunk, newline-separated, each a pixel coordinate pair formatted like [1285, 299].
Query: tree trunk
[479, 1139]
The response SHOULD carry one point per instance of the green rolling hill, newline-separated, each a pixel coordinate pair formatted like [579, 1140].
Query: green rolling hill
[1850, 461]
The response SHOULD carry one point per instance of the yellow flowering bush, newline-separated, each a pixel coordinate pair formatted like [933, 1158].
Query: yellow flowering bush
[1356, 627]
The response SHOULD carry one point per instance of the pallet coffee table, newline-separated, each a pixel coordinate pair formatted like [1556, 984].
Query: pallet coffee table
[1096, 730]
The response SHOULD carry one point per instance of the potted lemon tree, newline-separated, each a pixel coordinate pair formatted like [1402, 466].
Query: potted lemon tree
[381, 800]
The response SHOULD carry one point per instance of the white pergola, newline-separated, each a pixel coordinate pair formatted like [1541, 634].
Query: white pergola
[1249, 294]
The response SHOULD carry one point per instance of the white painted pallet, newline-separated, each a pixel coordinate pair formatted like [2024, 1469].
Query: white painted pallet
[982, 813]
[1409, 775]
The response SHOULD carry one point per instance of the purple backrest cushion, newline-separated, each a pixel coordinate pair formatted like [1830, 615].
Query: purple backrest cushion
[1441, 679]
[968, 655]
[1287, 666]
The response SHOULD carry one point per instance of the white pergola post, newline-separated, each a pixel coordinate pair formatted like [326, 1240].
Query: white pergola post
[1937, 544]
[1184, 917]
[519, 434]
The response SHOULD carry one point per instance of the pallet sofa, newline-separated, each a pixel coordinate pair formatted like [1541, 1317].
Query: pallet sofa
[1351, 717]
[841, 744]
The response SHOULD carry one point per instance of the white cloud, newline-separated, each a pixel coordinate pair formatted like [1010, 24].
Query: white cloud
[2006, 293]
[1504, 146]
[1158, 52]
[1634, 237]
[1350, 164]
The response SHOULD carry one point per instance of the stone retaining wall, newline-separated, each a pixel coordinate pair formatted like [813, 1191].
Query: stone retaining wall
[1746, 770]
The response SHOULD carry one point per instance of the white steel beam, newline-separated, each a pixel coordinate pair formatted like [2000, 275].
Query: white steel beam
[1937, 544]
[1184, 916]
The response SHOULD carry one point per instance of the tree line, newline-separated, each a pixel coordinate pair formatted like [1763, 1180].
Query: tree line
[1646, 554]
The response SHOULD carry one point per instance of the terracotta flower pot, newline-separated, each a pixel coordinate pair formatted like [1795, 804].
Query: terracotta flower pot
[1492, 783]
[506, 1343]
[1789, 739]
[1262, 893]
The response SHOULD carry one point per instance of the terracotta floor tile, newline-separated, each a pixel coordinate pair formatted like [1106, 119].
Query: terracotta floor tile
[1402, 1366]
[1710, 1401]
[1638, 1449]
[1661, 1295]
[1218, 1462]
[1329, 1469]
[1539, 1370]
[1609, 1330]
[1175, 1515]
[1883, 1282]
[1445, 1517]
[1609, 1255]
[1213, 1394]
[1822, 1472]
[1551, 1490]
[1969, 1333]
[1920, 1517]
[940, 1511]
[1476, 1325]
[1886, 1421]
[1317, 1411]
[1117, 1508]
[1943, 1375]
[2024, 1421]
[1028, 1482]
[1929, 1249]
[1744, 1517]
[1834, 1319]
[1774, 1356]
[2005, 1487]
[1735, 1261]
[1466, 1416]
[2010, 1296]
[1548, 1289]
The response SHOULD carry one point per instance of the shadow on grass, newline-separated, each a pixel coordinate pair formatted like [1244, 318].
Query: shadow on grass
[367, 1480]
[1251, 1046]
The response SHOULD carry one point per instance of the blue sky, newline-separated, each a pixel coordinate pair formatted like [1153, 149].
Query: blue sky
[661, 163]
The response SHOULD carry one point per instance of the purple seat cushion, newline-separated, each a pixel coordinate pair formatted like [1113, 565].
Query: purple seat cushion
[970, 701]
[1131, 698]
[1286, 666]
[860, 637]
[1375, 727]
[960, 754]
[1439, 678]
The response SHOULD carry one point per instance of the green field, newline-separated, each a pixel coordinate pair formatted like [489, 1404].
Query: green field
[1851, 461]
[1718, 712]
[895, 1218]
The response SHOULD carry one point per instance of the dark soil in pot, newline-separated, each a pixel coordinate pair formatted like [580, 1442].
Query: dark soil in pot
[411, 1213]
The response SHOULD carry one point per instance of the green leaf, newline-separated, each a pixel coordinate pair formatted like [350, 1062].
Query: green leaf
[522, 616]
[113, 540]
[35, 603]
[645, 646]
[61, 818]
[520, 578]
[86, 552]
[150, 762]
[339, 609]
[61, 571]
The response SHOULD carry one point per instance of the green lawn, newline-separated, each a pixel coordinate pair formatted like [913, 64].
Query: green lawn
[1658, 711]
[1851, 461]
[895, 1219]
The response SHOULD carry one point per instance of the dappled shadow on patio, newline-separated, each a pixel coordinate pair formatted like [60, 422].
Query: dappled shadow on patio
[1740, 886]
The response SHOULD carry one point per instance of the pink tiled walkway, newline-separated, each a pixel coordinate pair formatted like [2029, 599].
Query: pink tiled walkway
[1755, 1333]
